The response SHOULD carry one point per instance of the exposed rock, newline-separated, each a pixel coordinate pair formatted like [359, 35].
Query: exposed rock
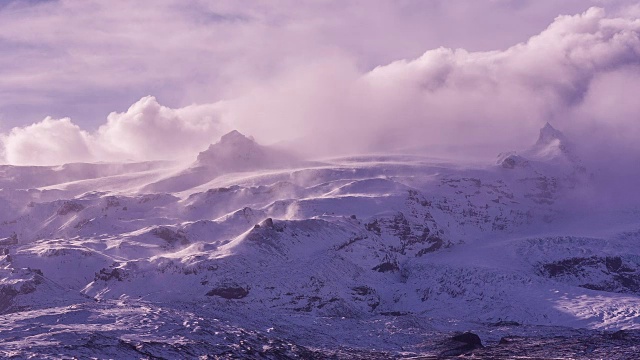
[7, 293]
[374, 227]
[362, 290]
[463, 343]
[610, 273]
[11, 240]
[108, 274]
[506, 323]
[231, 293]
[468, 338]
[170, 236]
[236, 152]
[29, 282]
[368, 295]
[268, 223]
[512, 161]
[69, 207]
[619, 335]
[410, 233]
[394, 313]
[386, 267]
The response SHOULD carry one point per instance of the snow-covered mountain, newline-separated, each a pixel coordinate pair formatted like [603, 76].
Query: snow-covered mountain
[236, 152]
[552, 147]
[551, 144]
[233, 153]
[250, 252]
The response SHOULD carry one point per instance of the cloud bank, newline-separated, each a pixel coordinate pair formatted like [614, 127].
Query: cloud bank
[48, 142]
[146, 131]
[580, 73]
[84, 59]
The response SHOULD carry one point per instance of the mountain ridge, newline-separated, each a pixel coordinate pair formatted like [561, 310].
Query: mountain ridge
[351, 244]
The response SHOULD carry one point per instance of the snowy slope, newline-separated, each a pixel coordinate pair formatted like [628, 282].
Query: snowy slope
[233, 153]
[310, 254]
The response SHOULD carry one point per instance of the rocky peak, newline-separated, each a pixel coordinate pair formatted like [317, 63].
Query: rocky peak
[233, 150]
[551, 144]
[234, 137]
[550, 135]
[237, 152]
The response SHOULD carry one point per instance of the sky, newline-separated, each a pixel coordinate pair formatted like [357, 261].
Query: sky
[146, 80]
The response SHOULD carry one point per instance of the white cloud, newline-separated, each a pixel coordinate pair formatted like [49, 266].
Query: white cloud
[83, 59]
[47, 142]
[148, 130]
[492, 101]
[575, 73]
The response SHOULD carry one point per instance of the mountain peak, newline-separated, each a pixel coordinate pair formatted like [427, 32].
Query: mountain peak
[237, 152]
[235, 137]
[551, 146]
[549, 135]
[233, 149]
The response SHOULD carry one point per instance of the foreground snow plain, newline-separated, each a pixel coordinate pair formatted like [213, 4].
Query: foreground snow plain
[249, 252]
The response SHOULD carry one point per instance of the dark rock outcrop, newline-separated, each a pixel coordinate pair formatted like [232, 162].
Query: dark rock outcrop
[462, 343]
[611, 273]
[69, 207]
[171, 236]
[230, 293]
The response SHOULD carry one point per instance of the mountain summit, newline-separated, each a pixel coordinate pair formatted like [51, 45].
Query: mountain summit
[551, 147]
[235, 138]
[549, 134]
[551, 144]
[234, 152]
[237, 152]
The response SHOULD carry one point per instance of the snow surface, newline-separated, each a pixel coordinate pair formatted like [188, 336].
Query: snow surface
[248, 245]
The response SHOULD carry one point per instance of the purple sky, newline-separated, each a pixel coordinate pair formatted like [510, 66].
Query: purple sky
[338, 76]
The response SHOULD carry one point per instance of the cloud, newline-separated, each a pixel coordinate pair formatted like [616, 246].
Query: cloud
[150, 131]
[47, 142]
[481, 102]
[146, 131]
[577, 73]
[83, 59]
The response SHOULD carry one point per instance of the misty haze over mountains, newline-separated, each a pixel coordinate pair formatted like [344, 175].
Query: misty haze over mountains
[336, 179]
